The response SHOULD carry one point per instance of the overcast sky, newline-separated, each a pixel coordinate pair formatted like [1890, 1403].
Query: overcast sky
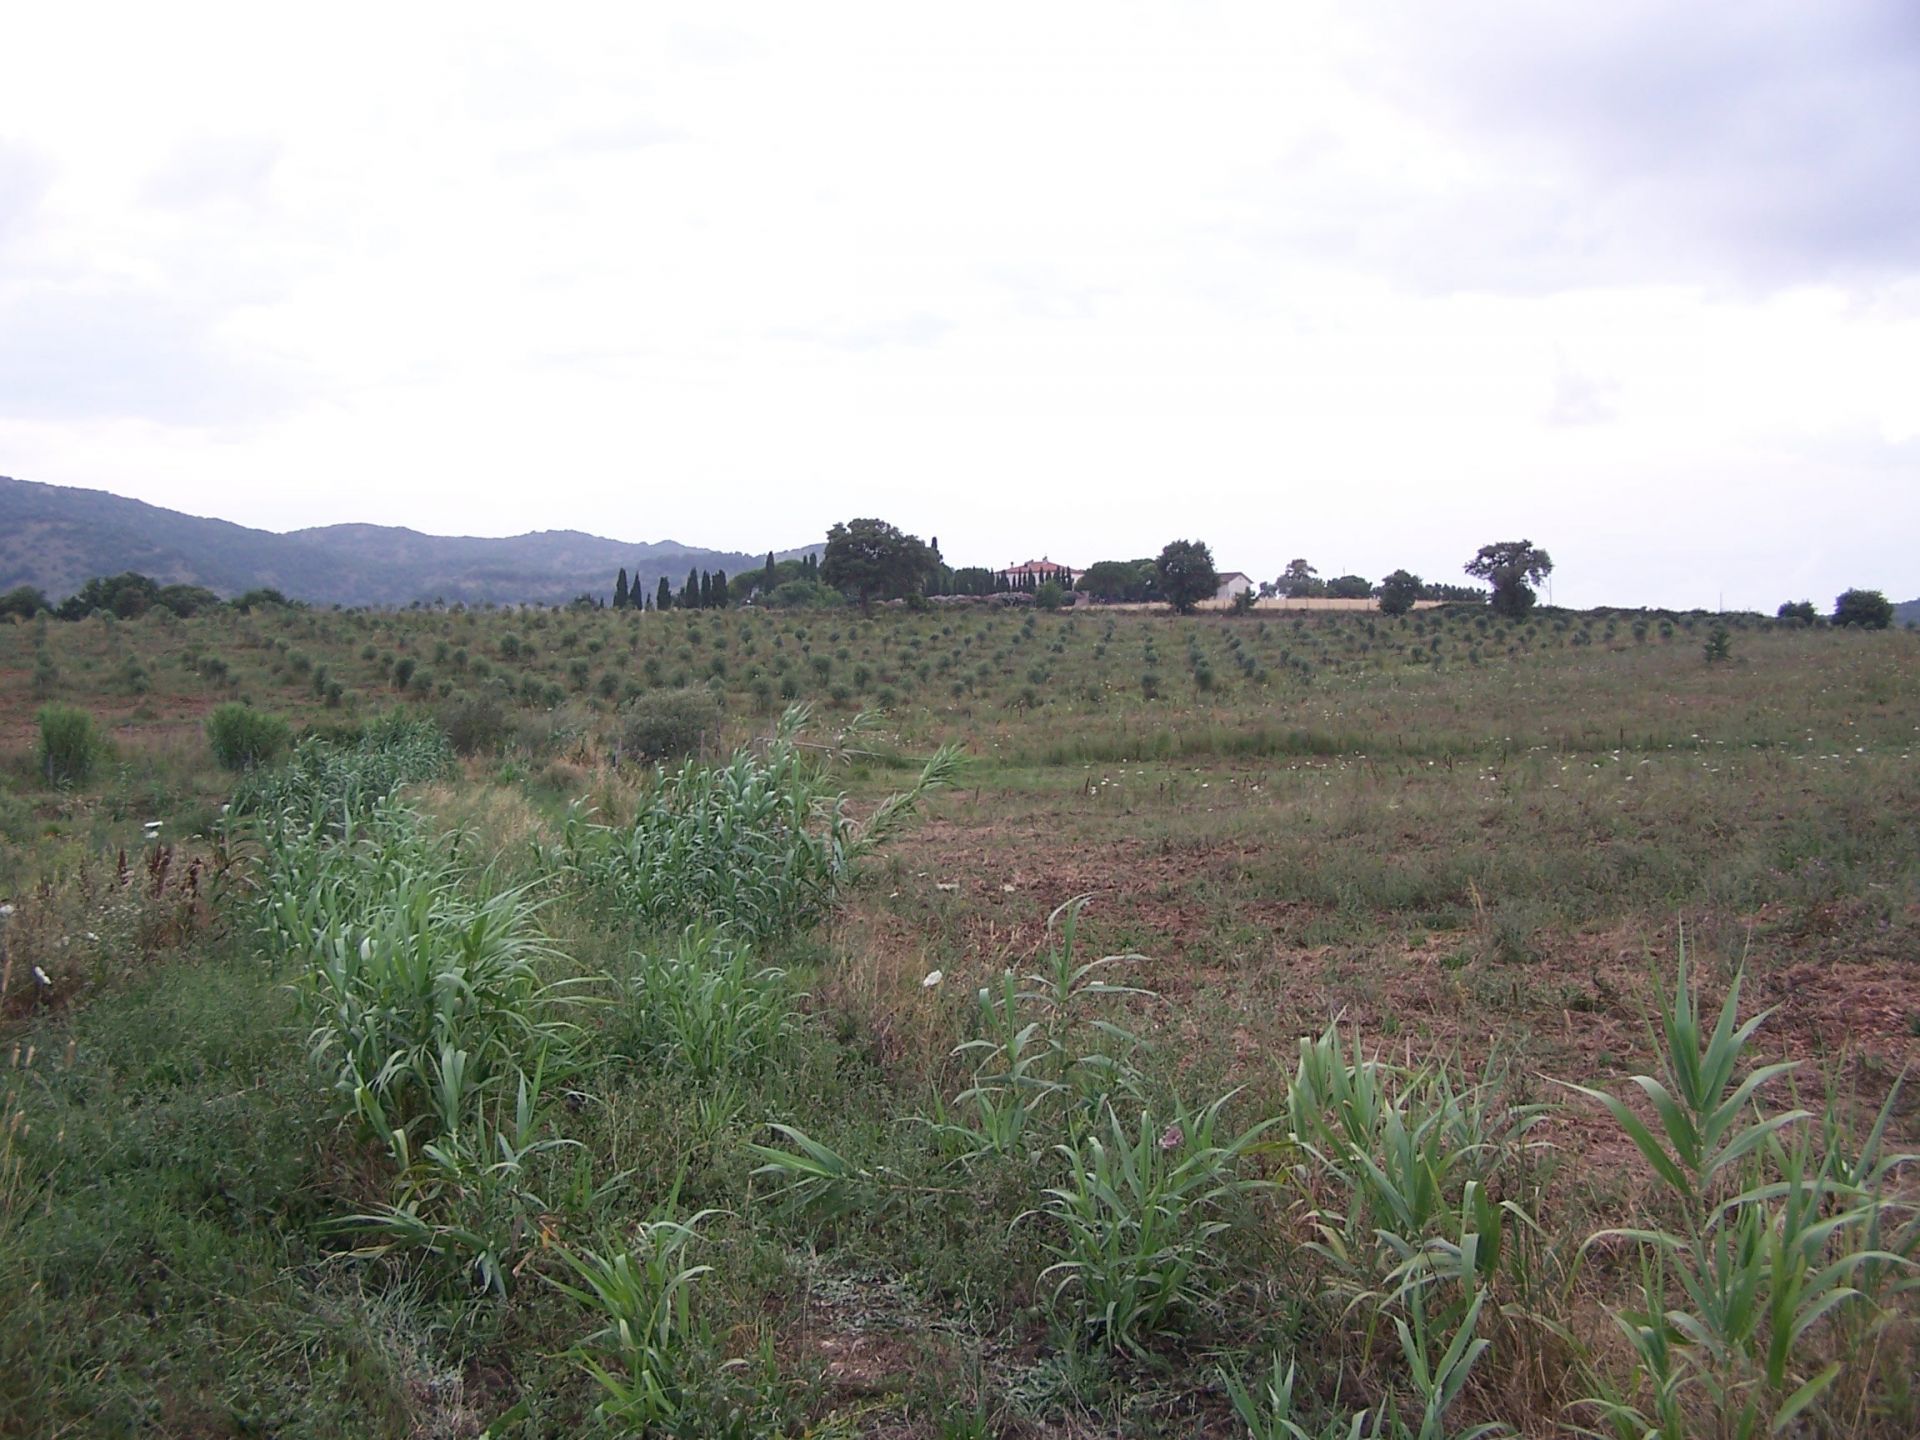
[1368, 284]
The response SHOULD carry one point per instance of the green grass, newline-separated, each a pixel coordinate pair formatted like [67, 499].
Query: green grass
[255, 1179]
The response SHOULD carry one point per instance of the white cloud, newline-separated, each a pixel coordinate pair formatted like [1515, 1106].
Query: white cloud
[1351, 282]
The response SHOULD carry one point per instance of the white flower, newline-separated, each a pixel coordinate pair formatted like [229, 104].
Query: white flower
[41, 976]
[933, 978]
[5, 911]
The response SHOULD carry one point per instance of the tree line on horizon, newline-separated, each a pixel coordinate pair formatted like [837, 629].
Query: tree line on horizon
[867, 560]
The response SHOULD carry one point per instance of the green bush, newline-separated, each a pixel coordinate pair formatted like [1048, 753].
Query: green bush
[69, 744]
[475, 724]
[242, 737]
[1868, 609]
[670, 724]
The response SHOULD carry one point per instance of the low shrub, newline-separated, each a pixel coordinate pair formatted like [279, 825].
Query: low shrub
[475, 724]
[670, 724]
[242, 737]
[70, 744]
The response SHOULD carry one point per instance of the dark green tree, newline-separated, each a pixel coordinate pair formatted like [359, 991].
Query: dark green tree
[767, 582]
[1121, 580]
[1186, 575]
[1300, 581]
[186, 600]
[664, 599]
[1398, 591]
[1349, 587]
[23, 601]
[1801, 610]
[690, 592]
[870, 560]
[1869, 609]
[1513, 568]
[126, 595]
[620, 590]
[706, 591]
[720, 596]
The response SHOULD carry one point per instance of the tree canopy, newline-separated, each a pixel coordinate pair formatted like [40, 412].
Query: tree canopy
[1398, 591]
[1186, 574]
[23, 601]
[870, 560]
[1513, 568]
[1869, 609]
[1132, 581]
[1299, 581]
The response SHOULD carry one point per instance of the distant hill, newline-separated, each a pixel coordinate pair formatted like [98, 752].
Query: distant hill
[1907, 613]
[57, 538]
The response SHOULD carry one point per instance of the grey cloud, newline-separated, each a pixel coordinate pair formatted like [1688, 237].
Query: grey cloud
[24, 177]
[715, 45]
[588, 142]
[1756, 145]
[77, 354]
[1580, 399]
[207, 171]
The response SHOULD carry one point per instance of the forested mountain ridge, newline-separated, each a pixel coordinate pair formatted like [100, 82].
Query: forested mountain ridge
[56, 537]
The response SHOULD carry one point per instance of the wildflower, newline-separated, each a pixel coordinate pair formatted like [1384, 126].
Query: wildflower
[1172, 1137]
[41, 976]
[933, 978]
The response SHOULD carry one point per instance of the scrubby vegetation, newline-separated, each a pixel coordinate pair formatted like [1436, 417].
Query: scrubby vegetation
[1432, 1025]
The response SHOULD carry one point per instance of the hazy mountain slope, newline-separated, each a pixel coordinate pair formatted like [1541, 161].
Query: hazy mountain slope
[57, 538]
[1907, 613]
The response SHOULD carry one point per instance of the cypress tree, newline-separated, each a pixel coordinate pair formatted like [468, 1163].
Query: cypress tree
[665, 599]
[690, 592]
[620, 590]
[706, 591]
[719, 589]
[766, 583]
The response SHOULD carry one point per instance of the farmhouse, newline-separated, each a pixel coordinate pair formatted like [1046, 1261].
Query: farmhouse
[1232, 583]
[1038, 572]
